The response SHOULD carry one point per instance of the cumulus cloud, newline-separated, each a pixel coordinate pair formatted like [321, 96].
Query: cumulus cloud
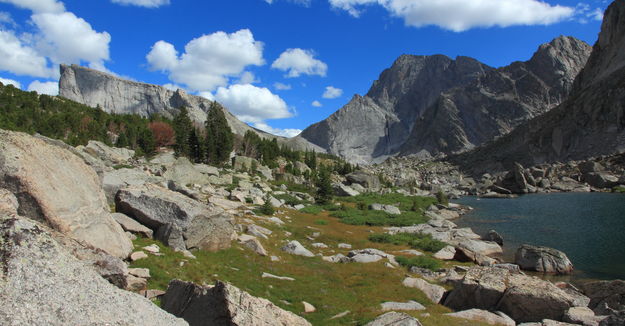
[461, 15]
[282, 87]
[6, 81]
[297, 62]
[209, 61]
[20, 59]
[584, 13]
[332, 92]
[49, 88]
[6, 19]
[247, 78]
[276, 131]
[305, 3]
[316, 104]
[143, 3]
[38, 6]
[252, 104]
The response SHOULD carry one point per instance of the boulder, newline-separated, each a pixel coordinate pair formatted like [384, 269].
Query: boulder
[582, 316]
[601, 179]
[253, 243]
[296, 248]
[132, 226]
[113, 181]
[8, 202]
[447, 253]
[602, 293]
[410, 305]
[523, 298]
[617, 318]
[43, 284]
[484, 316]
[395, 319]
[590, 167]
[390, 209]
[53, 185]
[493, 236]
[108, 155]
[223, 304]
[434, 292]
[543, 259]
[344, 191]
[178, 221]
[184, 172]
[367, 180]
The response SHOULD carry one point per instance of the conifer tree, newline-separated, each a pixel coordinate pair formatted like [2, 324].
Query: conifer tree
[324, 186]
[183, 127]
[219, 137]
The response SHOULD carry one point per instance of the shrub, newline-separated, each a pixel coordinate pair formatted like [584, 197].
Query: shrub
[442, 198]
[419, 261]
[321, 222]
[267, 208]
[163, 133]
[312, 209]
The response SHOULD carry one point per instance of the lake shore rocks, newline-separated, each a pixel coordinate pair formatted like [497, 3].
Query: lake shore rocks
[542, 259]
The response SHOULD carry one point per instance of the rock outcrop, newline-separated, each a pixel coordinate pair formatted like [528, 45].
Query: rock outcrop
[432, 104]
[542, 259]
[55, 186]
[42, 284]
[395, 319]
[589, 123]
[224, 304]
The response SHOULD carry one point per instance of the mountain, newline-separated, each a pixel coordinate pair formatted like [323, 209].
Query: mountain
[590, 123]
[116, 95]
[433, 104]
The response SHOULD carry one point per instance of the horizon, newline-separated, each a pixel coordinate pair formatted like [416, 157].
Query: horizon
[276, 79]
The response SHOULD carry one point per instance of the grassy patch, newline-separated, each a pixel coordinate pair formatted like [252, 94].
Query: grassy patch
[321, 222]
[619, 189]
[317, 209]
[419, 261]
[414, 240]
[405, 203]
[354, 216]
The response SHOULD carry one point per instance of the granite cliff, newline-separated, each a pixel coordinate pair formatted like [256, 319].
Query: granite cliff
[590, 123]
[433, 104]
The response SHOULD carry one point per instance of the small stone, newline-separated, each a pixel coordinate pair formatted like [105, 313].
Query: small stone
[138, 255]
[283, 278]
[275, 258]
[188, 254]
[341, 315]
[410, 305]
[320, 245]
[308, 308]
[152, 249]
[344, 246]
[139, 272]
[151, 294]
[135, 283]
[446, 253]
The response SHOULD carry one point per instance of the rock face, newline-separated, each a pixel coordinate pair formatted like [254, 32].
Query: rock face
[606, 293]
[115, 95]
[521, 297]
[542, 259]
[430, 104]
[178, 221]
[587, 124]
[43, 284]
[224, 305]
[56, 186]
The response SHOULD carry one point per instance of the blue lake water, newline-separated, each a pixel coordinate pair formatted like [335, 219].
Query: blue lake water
[588, 227]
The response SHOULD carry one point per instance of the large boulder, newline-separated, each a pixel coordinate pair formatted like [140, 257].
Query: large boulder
[43, 284]
[114, 180]
[395, 319]
[56, 186]
[223, 305]
[434, 292]
[367, 180]
[523, 298]
[344, 190]
[108, 155]
[177, 220]
[484, 316]
[605, 293]
[184, 172]
[543, 259]
[244, 163]
[601, 179]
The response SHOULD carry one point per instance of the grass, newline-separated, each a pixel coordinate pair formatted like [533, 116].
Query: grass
[420, 261]
[405, 203]
[619, 189]
[294, 187]
[317, 209]
[354, 216]
[321, 222]
[331, 288]
[414, 240]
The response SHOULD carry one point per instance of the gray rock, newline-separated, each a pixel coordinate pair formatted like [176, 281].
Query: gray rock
[543, 259]
[395, 319]
[56, 186]
[495, 237]
[254, 244]
[175, 217]
[582, 316]
[296, 248]
[43, 284]
[109, 155]
[282, 278]
[432, 291]
[601, 179]
[610, 293]
[364, 179]
[113, 181]
[223, 304]
[390, 209]
[344, 191]
[410, 305]
[447, 253]
[484, 317]
[183, 172]
[8, 202]
[130, 225]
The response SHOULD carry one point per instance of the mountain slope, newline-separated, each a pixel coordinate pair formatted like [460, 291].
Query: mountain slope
[591, 122]
[420, 98]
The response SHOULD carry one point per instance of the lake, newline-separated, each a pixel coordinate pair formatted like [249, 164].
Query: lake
[588, 227]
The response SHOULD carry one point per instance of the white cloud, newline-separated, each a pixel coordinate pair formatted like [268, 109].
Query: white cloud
[207, 95]
[282, 87]
[143, 3]
[332, 92]
[252, 104]
[173, 87]
[38, 6]
[49, 88]
[66, 38]
[305, 3]
[5, 18]
[247, 78]
[278, 132]
[316, 104]
[299, 62]
[6, 81]
[209, 60]
[596, 14]
[461, 15]
[20, 59]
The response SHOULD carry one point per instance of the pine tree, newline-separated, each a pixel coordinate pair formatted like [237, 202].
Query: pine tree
[196, 147]
[219, 137]
[324, 186]
[183, 127]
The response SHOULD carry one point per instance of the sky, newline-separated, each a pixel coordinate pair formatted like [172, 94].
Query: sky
[279, 65]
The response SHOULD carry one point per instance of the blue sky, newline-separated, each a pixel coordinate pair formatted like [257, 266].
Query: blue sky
[278, 64]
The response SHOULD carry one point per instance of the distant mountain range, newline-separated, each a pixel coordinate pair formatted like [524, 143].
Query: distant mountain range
[427, 105]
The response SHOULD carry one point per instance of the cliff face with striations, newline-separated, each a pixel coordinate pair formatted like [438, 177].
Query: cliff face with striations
[432, 104]
[116, 95]
[590, 123]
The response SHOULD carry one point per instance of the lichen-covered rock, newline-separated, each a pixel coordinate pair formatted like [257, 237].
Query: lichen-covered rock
[395, 319]
[542, 259]
[43, 284]
[484, 317]
[224, 305]
[54, 185]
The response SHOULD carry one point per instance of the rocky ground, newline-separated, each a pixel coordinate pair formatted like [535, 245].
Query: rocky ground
[203, 250]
